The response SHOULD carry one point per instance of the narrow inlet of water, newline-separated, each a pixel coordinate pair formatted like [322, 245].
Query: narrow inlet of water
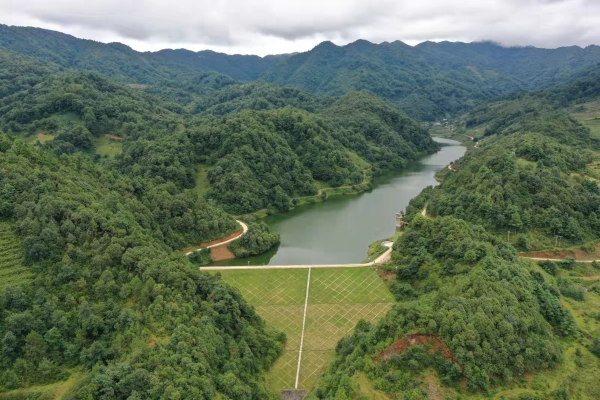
[339, 230]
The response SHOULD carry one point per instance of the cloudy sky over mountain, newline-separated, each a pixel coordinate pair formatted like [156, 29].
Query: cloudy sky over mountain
[274, 26]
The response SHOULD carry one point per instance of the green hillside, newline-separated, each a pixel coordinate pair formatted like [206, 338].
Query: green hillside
[235, 129]
[431, 80]
[472, 318]
[110, 292]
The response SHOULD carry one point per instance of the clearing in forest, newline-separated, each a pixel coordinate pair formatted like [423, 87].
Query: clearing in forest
[337, 299]
[12, 272]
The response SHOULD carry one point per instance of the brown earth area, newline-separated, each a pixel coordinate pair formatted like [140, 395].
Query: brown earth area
[213, 242]
[221, 253]
[151, 343]
[529, 376]
[389, 277]
[40, 135]
[577, 254]
[113, 137]
[400, 346]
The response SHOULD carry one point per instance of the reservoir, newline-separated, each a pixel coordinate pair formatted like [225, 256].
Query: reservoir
[339, 230]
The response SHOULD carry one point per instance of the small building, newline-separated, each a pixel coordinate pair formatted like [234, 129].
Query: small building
[400, 220]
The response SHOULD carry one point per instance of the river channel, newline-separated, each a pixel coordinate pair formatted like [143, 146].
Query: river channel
[339, 230]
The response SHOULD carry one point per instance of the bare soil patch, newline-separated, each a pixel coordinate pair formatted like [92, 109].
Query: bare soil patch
[577, 254]
[400, 346]
[151, 343]
[113, 137]
[529, 377]
[220, 253]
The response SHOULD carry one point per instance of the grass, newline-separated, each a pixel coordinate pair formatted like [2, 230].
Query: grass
[202, 184]
[338, 299]
[55, 391]
[108, 147]
[589, 115]
[366, 388]
[12, 272]
[347, 286]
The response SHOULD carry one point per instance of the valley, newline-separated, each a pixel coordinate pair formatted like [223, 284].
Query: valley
[125, 175]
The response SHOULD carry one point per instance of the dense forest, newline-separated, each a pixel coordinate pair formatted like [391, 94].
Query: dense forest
[99, 294]
[109, 294]
[265, 145]
[431, 80]
[531, 172]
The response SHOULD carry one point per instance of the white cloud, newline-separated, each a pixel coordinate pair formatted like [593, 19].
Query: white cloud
[275, 26]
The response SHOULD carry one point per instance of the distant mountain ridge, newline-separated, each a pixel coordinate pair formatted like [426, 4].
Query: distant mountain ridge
[119, 61]
[428, 81]
[431, 79]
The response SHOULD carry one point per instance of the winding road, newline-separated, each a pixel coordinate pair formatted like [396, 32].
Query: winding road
[244, 230]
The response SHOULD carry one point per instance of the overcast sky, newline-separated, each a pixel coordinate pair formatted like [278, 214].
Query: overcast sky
[282, 26]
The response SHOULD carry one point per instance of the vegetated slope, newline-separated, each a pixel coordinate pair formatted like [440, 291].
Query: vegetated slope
[458, 281]
[266, 158]
[496, 317]
[263, 151]
[532, 175]
[122, 63]
[109, 296]
[430, 80]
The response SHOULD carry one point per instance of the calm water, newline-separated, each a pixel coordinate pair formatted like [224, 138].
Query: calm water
[339, 230]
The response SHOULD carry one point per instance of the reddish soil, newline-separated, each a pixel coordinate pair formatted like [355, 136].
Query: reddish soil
[213, 242]
[577, 254]
[529, 376]
[113, 137]
[591, 277]
[400, 346]
[221, 253]
[151, 343]
[40, 135]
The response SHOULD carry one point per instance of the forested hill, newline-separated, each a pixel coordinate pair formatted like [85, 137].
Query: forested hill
[532, 171]
[109, 304]
[120, 62]
[261, 145]
[430, 80]
[473, 319]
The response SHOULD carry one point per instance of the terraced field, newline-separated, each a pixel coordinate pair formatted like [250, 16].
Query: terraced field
[12, 272]
[337, 299]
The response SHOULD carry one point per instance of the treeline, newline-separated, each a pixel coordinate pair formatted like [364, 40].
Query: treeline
[110, 297]
[457, 283]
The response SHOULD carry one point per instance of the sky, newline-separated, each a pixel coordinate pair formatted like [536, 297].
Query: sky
[283, 26]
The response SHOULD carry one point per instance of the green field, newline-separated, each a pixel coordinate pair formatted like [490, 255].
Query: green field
[108, 147]
[589, 115]
[338, 299]
[12, 272]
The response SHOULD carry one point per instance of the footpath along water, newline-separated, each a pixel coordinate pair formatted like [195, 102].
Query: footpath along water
[339, 230]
